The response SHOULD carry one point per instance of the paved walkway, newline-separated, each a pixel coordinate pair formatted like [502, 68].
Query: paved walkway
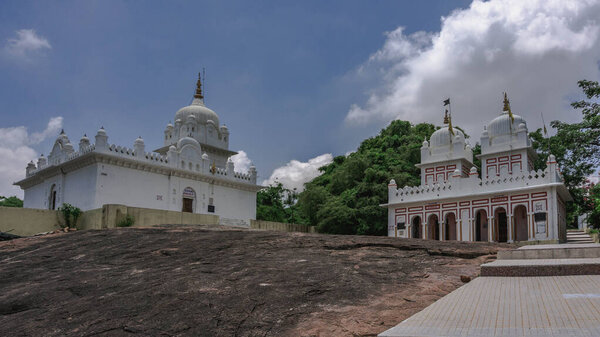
[512, 306]
[514, 299]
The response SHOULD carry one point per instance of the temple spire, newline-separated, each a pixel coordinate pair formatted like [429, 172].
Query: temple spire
[506, 108]
[199, 88]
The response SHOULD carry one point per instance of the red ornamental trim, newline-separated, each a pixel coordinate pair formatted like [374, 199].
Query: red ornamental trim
[464, 203]
[448, 205]
[519, 197]
[412, 215]
[538, 194]
[428, 207]
[503, 159]
[429, 178]
[480, 202]
[413, 209]
[440, 168]
[429, 169]
[515, 156]
[499, 199]
[491, 161]
[451, 167]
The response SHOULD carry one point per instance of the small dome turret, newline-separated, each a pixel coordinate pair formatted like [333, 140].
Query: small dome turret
[443, 137]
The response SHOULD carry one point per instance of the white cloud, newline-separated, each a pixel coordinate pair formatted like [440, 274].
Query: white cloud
[241, 162]
[26, 44]
[16, 152]
[535, 50]
[295, 173]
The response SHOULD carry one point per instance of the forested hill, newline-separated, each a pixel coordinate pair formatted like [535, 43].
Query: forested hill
[345, 199]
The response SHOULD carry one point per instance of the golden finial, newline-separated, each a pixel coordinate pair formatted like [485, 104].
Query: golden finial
[507, 109]
[446, 118]
[506, 103]
[199, 88]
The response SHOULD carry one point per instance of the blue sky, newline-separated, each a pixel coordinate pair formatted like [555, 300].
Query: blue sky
[292, 80]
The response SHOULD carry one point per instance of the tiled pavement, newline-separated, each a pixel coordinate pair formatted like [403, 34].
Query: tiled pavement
[512, 306]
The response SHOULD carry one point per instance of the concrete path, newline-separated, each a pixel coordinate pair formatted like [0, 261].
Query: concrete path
[512, 306]
[535, 291]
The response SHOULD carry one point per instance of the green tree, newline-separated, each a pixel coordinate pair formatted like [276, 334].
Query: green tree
[11, 202]
[576, 147]
[345, 198]
[276, 203]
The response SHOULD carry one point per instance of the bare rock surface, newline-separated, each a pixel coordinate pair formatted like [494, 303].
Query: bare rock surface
[215, 281]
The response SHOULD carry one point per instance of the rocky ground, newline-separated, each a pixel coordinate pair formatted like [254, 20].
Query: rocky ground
[200, 281]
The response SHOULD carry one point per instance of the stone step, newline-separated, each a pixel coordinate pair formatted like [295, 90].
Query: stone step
[563, 251]
[578, 236]
[580, 241]
[542, 267]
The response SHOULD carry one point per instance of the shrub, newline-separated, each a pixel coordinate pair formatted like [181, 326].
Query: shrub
[127, 222]
[70, 213]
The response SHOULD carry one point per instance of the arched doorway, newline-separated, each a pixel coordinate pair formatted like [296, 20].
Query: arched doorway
[433, 228]
[520, 218]
[189, 196]
[481, 225]
[416, 227]
[52, 198]
[501, 224]
[450, 227]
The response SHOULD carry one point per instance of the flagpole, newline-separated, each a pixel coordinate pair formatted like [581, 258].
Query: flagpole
[545, 133]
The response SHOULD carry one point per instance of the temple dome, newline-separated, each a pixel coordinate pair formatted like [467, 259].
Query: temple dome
[442, 137]
[201, 113]
[502, 125]
[187, 140]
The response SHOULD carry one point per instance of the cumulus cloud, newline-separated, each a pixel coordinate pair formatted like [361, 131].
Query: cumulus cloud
[26, 44]
[295, 173]
[241, 162]
[535, 50]
[16, 151]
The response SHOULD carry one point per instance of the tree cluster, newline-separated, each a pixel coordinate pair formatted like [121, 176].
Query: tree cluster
[10, 202]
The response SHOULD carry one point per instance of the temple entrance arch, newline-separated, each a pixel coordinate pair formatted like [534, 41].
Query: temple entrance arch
[501, 224]
[481, 225]
[520, 219]
[433, 227]
[450, 227]
[416, 227]
[188, 200]
[52, 198]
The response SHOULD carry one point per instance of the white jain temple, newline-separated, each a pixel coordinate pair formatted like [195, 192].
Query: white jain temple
[192, 172]
[509, 202]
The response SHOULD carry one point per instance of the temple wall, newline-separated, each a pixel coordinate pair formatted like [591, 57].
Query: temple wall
[541, 200]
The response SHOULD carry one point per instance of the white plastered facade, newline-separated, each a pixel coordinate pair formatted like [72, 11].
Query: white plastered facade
[509, 202]
[193, 172]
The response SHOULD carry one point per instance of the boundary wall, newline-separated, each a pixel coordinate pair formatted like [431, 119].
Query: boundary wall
[282, 227]
[29, 221]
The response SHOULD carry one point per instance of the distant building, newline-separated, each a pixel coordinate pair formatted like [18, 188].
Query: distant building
[510, 202]
[192, 172]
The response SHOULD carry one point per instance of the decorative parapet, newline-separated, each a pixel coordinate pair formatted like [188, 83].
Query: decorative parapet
[200, 167]
[460, 186]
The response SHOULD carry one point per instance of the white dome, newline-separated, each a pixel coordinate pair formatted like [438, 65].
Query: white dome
[502, 125]
[442, 137]
[187, 140]
[199, 111]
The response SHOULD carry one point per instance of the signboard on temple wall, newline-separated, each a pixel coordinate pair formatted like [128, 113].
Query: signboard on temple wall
[540, 216]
